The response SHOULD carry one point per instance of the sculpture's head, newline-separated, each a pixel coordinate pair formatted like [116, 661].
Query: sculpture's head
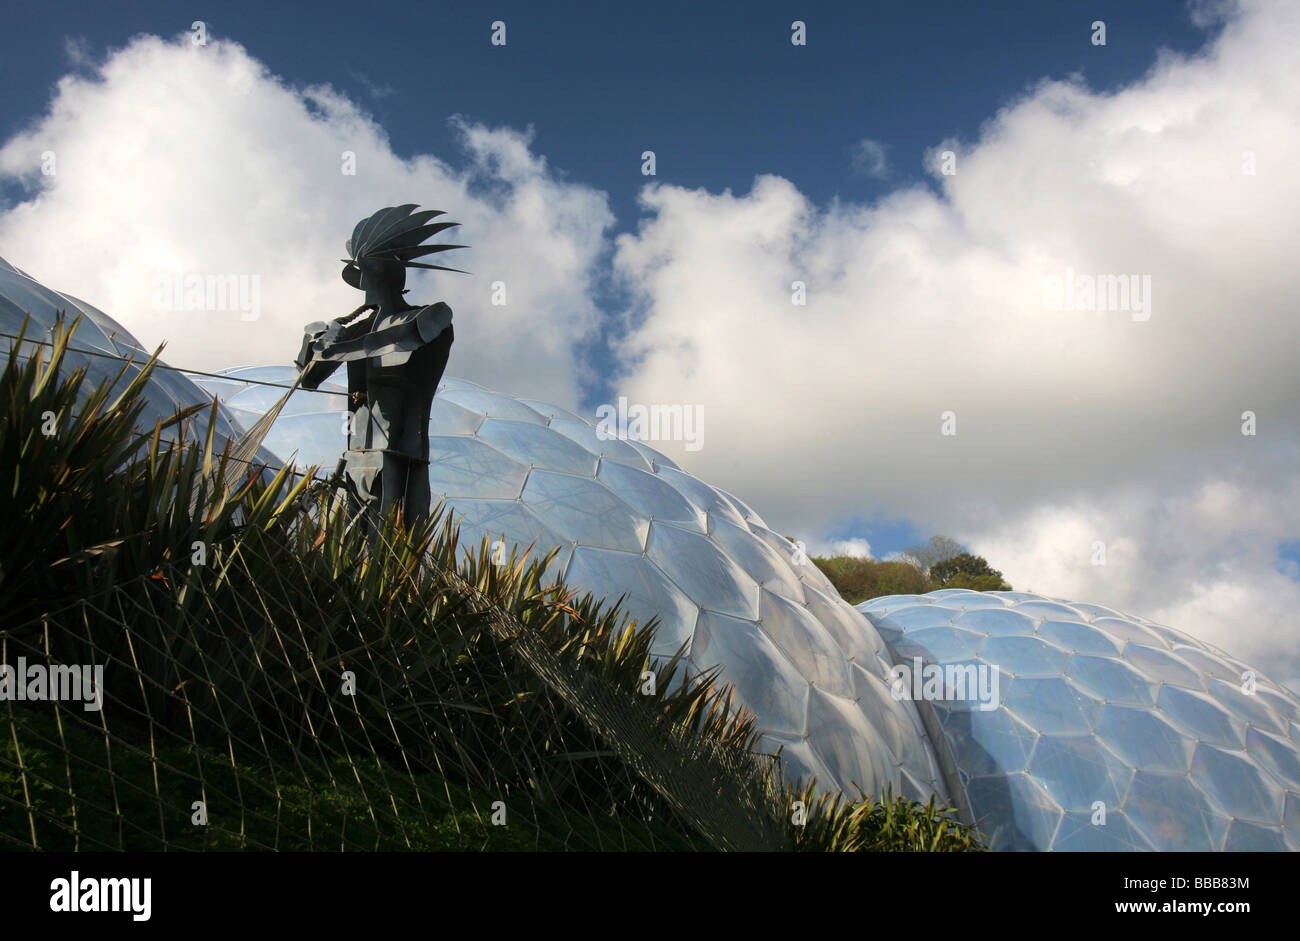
[383, 279]
[384, 245]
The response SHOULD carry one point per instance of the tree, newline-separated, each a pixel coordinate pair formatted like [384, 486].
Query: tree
[967, 571]
[935, 551]
[857, 579]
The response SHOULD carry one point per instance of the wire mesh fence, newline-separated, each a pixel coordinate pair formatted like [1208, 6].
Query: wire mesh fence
[198, 653]
[222, 706]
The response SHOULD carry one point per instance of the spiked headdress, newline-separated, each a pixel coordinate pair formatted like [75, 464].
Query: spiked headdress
[395, 233]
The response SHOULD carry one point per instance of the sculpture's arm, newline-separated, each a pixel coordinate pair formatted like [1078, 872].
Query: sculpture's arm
[318, 337]
[433, 320]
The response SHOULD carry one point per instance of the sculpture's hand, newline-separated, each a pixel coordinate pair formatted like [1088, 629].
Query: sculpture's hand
[320, 336]
[347, 317]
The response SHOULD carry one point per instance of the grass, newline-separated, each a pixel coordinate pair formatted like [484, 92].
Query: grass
[472, 682]
[146, 804]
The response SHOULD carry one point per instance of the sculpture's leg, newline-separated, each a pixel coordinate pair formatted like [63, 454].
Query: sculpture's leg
[401, 398]
[425, 369]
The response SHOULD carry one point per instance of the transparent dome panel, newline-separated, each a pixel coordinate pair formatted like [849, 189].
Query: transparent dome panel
[537, 445]
[467, 467]
[585, 511]
[612, 449]
[764, 679]
[1077, 771]
[700, 569]
[761, 563]
[653, 498]
[610, 573]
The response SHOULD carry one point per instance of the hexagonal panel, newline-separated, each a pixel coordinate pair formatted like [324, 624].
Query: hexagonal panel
[1112, 680]
[1077, 771]
[491, 405]
[995, 621]
[1247, 706]
[448, 418]
[1201, 717]
[1276, 754]
[701, 494]
[648, 592]
[766, 682]
[1173, 814]
[1129, 631]
[537, 446]
[1024, 656]
[989, 743]
[1207, 663]
[1143, 739]
[1078, 638]
[469, 468]
[852, 632]
[585, 511]
[703, 571]
[650, 496]
[760, 562]
[1052, 705]
[612, 449]
[1236, 784]
[805, 642]
[903, 620]
[849, 748]
[1046, 609]
[1162, 667]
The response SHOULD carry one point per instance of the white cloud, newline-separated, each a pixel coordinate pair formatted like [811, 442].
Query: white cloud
[77, 51]
[905, 557]
[1203, 560]
[868, 158]
[1072, 426]
[175, 158]
[856, 547]
[1069, 424]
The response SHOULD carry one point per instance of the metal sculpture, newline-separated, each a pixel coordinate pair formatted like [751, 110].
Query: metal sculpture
[395, 355]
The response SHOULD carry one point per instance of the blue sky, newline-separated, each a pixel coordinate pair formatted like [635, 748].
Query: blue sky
[774, 162]
[716, 89]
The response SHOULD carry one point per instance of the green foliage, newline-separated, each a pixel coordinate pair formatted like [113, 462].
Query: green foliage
[929, 554]
[857, 579]
[940, 563]
[146, 804]
[227, 617]
[834, 823]
[967, 571]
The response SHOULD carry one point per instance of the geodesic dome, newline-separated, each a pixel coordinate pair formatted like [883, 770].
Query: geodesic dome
[168, 390]
[1094, 708]
[1183, 747]
[628, 521]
